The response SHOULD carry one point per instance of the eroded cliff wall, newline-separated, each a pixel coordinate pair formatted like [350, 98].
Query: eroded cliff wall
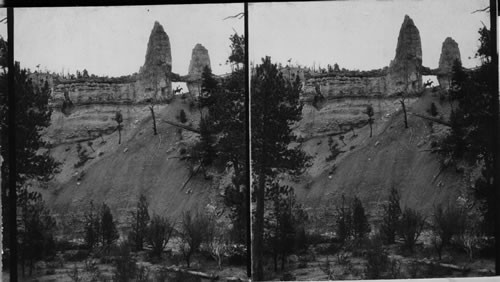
[344, 86]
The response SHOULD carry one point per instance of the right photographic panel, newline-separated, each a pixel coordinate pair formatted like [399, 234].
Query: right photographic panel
[372, 153]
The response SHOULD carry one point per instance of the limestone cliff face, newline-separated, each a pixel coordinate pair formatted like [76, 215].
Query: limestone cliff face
[342, 86]
[154, 75]
[449, 53]
[404, 71]
[84, 93]
[199, 59]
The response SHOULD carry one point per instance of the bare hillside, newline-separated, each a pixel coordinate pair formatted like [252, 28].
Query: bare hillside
[142, 163]
[369, 167]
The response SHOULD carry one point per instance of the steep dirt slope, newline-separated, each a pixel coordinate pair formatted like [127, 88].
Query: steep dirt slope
[143, 163]
[369, 167]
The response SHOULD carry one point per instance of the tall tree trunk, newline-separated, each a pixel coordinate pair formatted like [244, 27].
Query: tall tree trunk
[119, 136]
[275, 259]
[154, 119]
[404, 111]
[258, 244]
[283, 257]
[371, 129]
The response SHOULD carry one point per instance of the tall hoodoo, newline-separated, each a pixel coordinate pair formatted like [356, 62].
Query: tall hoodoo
[155, 75]
[449, 54]
[199, 59]
[404, 71]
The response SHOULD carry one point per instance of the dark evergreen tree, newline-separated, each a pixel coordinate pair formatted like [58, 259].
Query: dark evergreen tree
[109, 233]
[225, 122]
[140, 221]
[281, 222]
[119, 120]
[35, 231]
[92, 227]
[33, 160]
[344, 221]
[209, 86]
[336, 67]
[182, 116]
[275, 107]
[391, 216]
[473, 121]
[360, 225]
[369, 112]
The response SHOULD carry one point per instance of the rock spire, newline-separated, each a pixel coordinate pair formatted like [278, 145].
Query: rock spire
[404, 71]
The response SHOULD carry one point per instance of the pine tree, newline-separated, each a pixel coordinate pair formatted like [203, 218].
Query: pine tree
[35, 231]
[344, 222]
[33, 162]
[182, 116]
[275, 107]
[226, 119]
[119, 120]
[360, 225]
[369, 112]
[391, 217]
[472, 123]
[208, 88]
[92, 227]
[140, 221]
[109, 233]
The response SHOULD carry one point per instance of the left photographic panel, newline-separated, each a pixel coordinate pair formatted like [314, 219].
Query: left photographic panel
[131, 142]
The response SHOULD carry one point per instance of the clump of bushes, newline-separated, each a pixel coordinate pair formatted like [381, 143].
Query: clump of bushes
[182, 116]
[82, 156]
[125, 265]
[433, 110]
[334, 150]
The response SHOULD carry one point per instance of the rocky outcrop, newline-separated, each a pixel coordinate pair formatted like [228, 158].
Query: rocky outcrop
[154, 76]
[199, 60]
[404, 71]
[449, 54]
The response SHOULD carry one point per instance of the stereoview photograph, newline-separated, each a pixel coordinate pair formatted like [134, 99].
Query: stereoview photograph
[131, 149]
[372, 140]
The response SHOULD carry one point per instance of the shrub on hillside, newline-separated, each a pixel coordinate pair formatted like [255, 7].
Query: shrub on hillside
[159, 231]
[125, 265]
[410, 227]
[334, 150]
[433, 110]
[377, 260]
[193, 233]
[182, 116]
[446, 224]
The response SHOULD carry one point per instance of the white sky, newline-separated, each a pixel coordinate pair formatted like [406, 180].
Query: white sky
[113, 40]
[3, 25]
[361, 34]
